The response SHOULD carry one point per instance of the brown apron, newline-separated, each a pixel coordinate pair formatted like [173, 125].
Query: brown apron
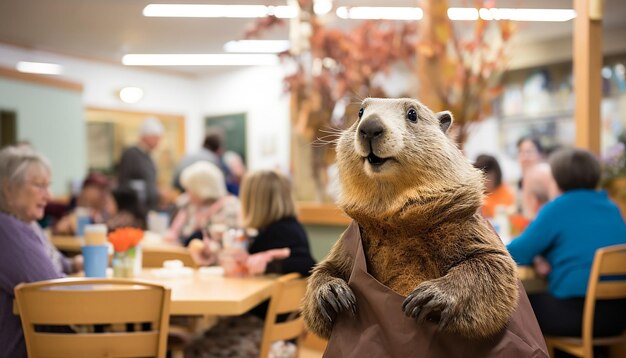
[381, 328]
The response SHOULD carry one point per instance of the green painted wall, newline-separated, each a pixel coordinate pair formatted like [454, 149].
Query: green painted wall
[322, 238]
[51, 119]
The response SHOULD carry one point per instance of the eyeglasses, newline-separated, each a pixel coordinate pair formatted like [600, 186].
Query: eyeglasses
[43, 186]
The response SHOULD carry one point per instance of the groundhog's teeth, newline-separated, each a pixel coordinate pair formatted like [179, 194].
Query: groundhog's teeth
[373, 159]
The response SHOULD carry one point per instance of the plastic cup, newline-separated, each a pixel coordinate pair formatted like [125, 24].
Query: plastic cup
[83, 218]
[95, 234]
[95, 260]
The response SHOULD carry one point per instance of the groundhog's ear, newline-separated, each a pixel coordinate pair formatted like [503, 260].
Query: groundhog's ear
[445, 120]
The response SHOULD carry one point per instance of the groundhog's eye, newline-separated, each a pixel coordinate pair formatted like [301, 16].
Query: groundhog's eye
[361, 113]
[411, 115]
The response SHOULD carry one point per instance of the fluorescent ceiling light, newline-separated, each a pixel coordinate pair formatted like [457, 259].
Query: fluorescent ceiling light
[322, 7]
[555, 15]
[380, 13]
[470, 13]
[233, 11]
[257, 46]
[462, 13]
[39, 67]
[199, 60]
[131, 94]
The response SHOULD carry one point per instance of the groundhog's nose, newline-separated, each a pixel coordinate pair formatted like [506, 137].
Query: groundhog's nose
[371, 128]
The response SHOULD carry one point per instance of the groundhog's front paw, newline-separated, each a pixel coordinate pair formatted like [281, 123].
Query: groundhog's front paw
[334, 297]
[429, 302]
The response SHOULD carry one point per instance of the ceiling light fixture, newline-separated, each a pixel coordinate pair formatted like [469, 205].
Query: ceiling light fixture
[322, 7]
[39, 68]
[257, 46]
[131, 94]
[551, 15]
[463, 13]
[199, 60]
[232, 11]
[380, 13]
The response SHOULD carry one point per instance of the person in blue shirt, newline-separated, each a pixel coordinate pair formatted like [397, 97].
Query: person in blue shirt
[567, 232]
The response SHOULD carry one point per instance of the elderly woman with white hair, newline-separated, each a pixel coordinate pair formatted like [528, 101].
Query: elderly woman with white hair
[208, 203]
[25, 256]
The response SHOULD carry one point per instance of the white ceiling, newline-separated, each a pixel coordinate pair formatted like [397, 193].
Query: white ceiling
[107, 29]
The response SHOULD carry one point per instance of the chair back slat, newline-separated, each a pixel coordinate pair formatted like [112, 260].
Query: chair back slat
[611, 290]
[613, 262]
[139, 344]
[88, 302]
[155, 257]
[286, 298]
[291, 295]
[287, 330]
[79, 305]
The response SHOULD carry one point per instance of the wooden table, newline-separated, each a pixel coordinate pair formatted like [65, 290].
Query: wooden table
[213, 295]
[201, 295]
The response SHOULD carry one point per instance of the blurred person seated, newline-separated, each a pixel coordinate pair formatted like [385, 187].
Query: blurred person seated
[205, 203]
[539, 188]
[497, 192]
[25, 256]
[529, 152]
[95, 195]
[127, 211]
[211, 151]
[236, 171]
[281, 247]
[566, 232]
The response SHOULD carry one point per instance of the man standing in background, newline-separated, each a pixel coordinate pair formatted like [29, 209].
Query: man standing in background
[137, 169]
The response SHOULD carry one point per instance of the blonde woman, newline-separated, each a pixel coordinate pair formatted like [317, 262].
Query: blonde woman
[281, 245]
[208, 203]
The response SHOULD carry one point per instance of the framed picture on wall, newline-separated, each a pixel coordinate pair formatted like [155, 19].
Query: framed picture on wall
[100, 146]
[233, 129]
[110, 131]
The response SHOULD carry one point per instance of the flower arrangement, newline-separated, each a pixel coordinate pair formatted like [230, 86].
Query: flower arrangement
[456, 67]
[125, 241]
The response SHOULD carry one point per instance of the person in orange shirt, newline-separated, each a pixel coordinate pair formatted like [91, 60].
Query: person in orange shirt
[497, 193]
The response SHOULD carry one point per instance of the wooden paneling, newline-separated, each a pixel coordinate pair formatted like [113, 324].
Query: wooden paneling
[587, 77]
[322, 214]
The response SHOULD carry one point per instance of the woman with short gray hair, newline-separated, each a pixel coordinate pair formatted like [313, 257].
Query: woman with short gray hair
[24, 257]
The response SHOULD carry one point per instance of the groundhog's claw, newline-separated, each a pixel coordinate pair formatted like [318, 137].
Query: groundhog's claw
[335, 297]
[428, 302]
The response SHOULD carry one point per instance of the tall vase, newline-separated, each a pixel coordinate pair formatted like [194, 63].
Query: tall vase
[124, 263]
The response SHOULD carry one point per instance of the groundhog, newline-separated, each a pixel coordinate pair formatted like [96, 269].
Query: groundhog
[416, 200]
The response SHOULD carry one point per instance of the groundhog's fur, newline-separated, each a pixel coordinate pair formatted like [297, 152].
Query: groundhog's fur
[421, 231]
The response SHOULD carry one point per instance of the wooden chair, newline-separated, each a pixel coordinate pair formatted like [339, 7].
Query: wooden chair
[608, 261]
[286, 299]
[86, 302]
[154, 257]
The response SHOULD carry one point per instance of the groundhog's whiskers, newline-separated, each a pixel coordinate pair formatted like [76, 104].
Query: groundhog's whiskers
[325, 140]
[331, 130]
